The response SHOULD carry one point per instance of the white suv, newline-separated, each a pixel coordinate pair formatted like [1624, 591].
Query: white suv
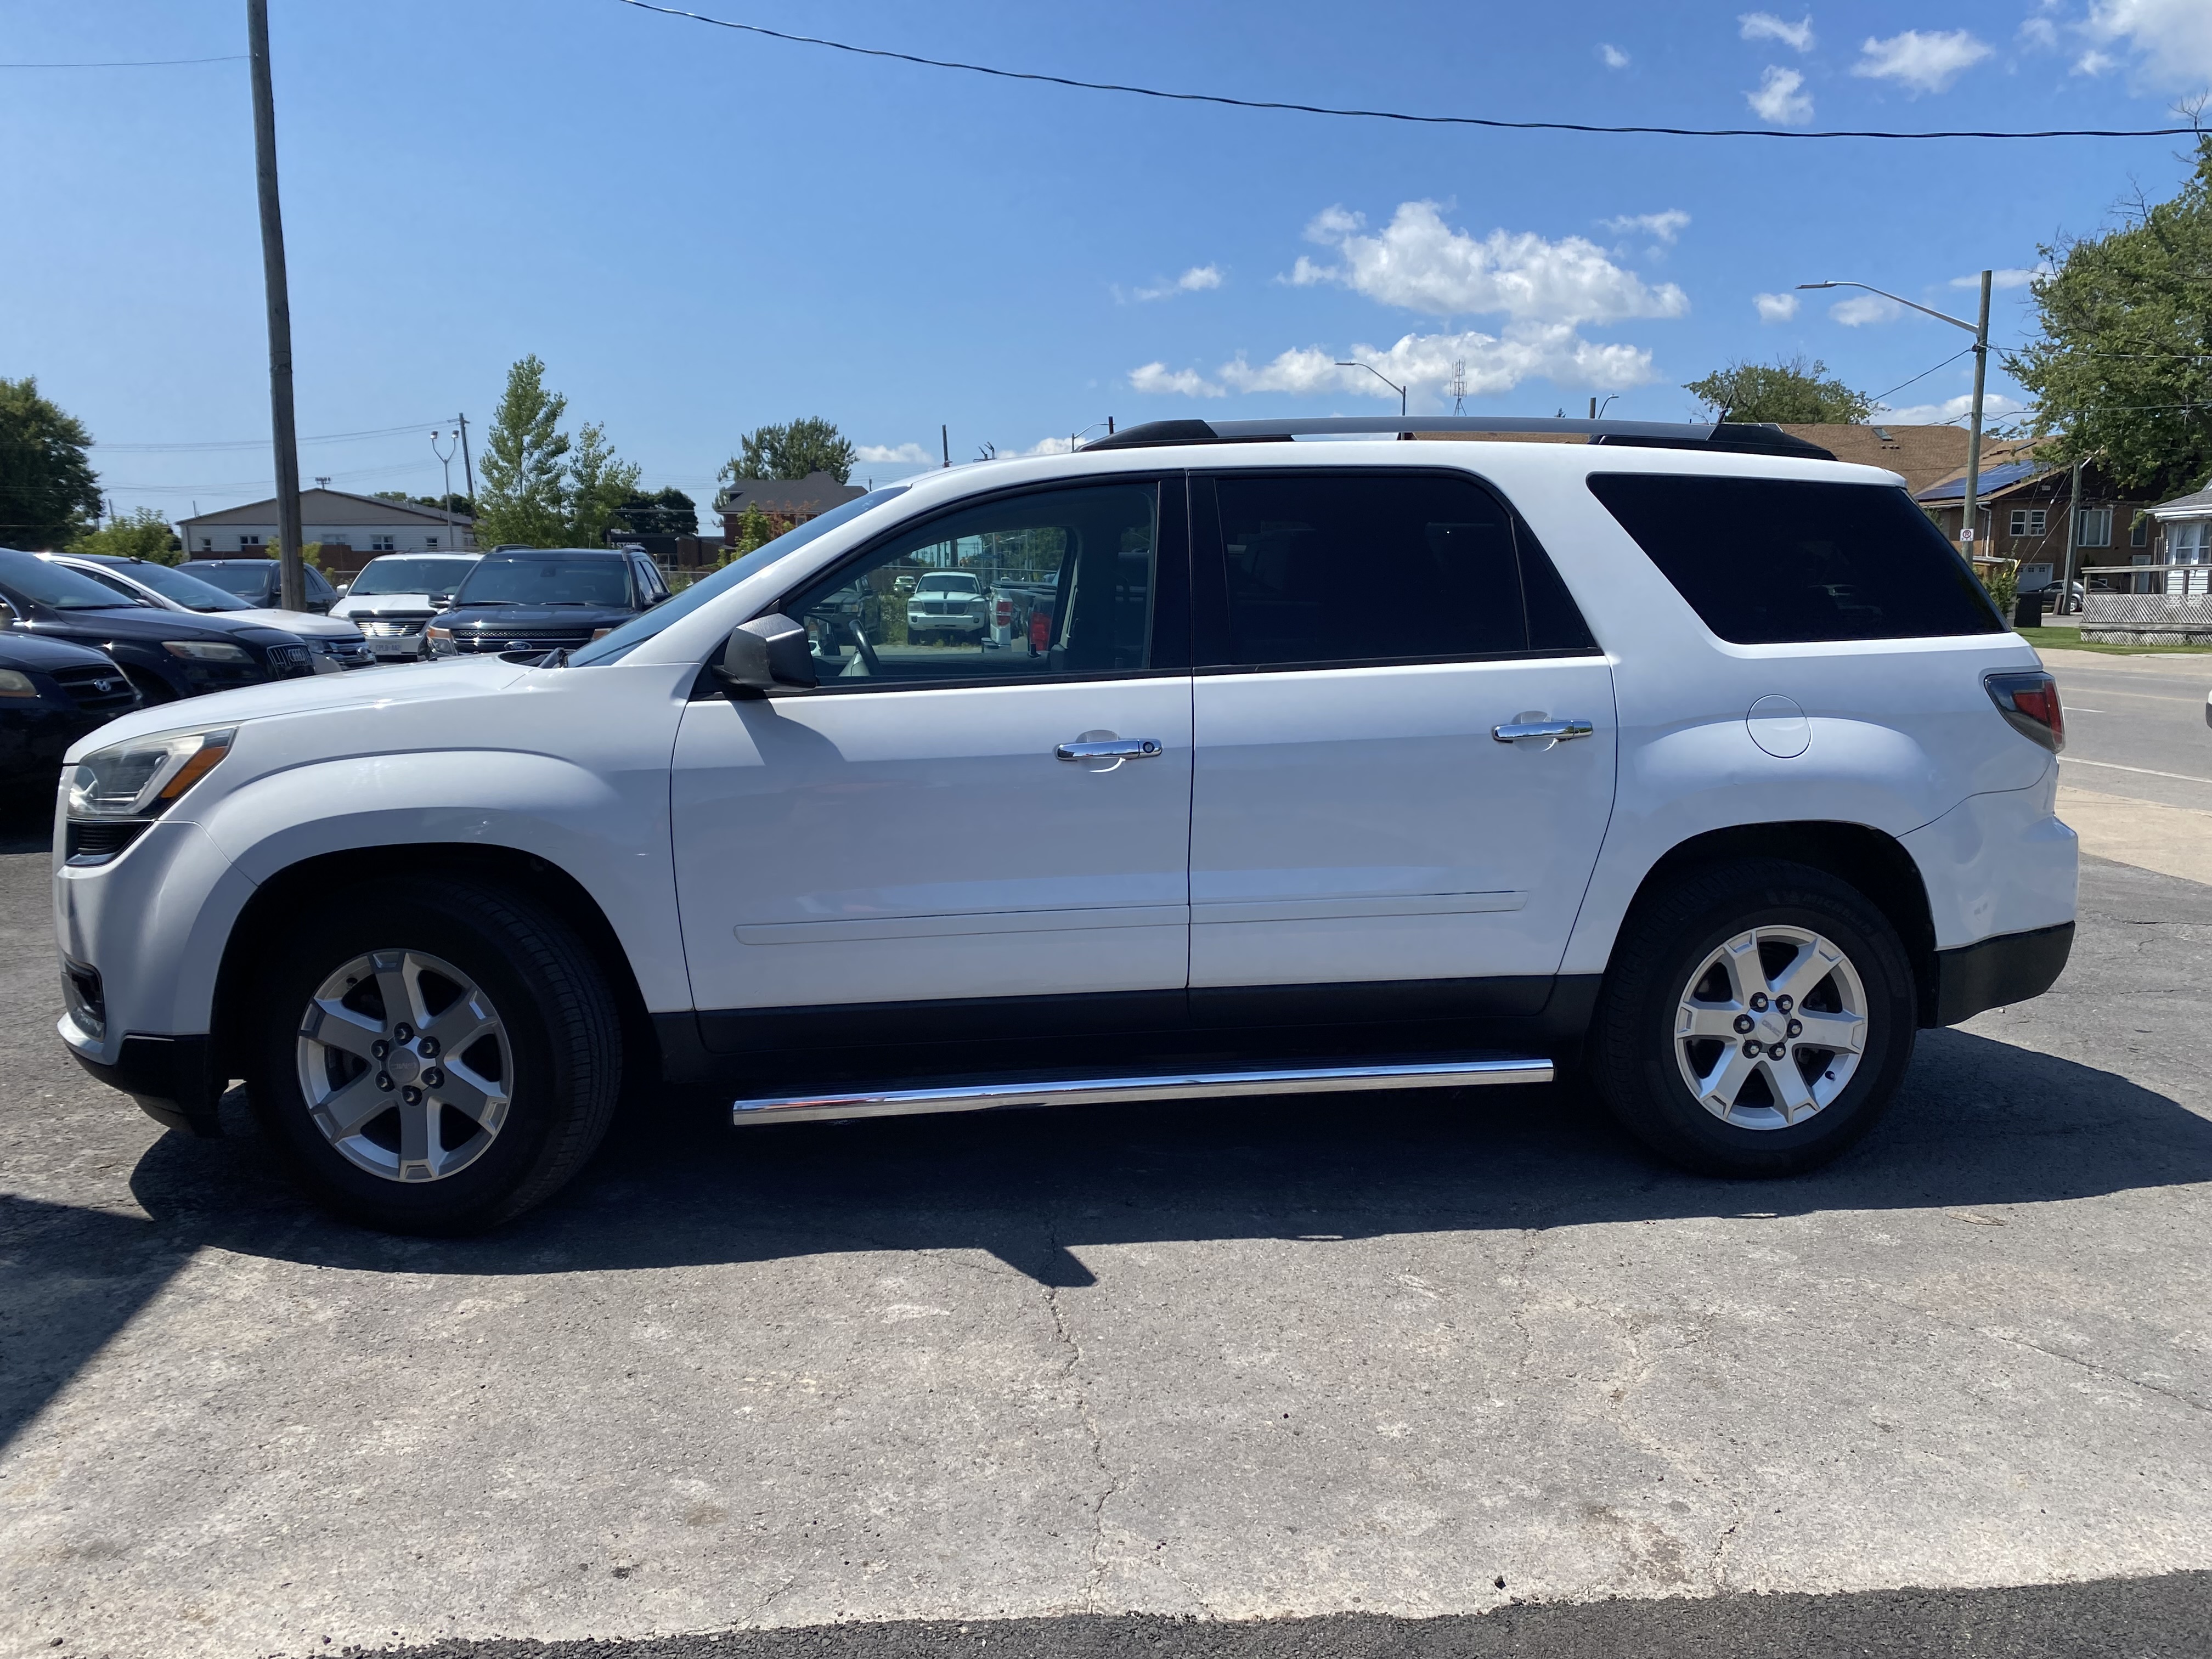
[1688, 756]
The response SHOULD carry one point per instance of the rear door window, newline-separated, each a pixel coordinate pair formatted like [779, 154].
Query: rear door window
[1324, 569]
[1782, 561]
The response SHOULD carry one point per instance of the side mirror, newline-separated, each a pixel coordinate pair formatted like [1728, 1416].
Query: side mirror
[767, 652]
[344, 588]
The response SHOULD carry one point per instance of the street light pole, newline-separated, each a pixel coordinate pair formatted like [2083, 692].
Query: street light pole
[1386, 380]
[1980, 330]
[291, 579]
[445, 463]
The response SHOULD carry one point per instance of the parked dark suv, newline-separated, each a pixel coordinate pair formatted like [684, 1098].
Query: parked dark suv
[257, 580]
[546, 598]
[166, 653]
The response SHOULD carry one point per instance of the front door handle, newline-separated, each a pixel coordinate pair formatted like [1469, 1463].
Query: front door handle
[1542, 730]
[1110, 749]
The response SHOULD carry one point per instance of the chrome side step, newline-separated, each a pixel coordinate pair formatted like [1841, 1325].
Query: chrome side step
[1160, 1086]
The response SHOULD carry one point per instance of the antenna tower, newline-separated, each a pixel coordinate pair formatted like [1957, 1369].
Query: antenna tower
[1459, 388]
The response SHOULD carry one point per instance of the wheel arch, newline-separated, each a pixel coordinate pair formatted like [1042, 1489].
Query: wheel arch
[303, 886]
[1871, 860]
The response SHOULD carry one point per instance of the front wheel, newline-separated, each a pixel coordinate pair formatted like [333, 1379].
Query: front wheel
[439, 1060]
[1757, 1019]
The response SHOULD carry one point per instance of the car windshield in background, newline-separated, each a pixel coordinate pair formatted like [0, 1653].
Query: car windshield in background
[946, 585]
[1785, 561]
[247, 581]
[409, 576]
[542, 580]
[633, 633]
[187, 590]
[50, 584]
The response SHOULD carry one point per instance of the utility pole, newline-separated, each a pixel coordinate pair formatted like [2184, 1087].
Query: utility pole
[291, 579]
[1980, 330]
[468, 472]
[445, 466]
[2073, 524]
[944, 437]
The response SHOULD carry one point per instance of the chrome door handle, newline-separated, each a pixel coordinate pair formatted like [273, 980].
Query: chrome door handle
[1111, 748]
[1550, 731]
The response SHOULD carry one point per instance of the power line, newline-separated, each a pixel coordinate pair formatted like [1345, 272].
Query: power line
[1924, 374]
[1377, 114]
[258, 443]
[136, 63]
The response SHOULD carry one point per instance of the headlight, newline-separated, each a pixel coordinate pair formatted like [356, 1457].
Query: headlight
[205, 650]
[438, 634]
[599, 634]
[12, 684]
[145, 776]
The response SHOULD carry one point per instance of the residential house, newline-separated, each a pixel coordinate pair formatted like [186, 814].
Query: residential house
[1921, 455]
[792, 502]
[2184, 537]
[2021, 508]
[352, 529]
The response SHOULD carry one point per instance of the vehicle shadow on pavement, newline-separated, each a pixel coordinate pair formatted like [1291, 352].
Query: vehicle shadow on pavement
[1981, 1123]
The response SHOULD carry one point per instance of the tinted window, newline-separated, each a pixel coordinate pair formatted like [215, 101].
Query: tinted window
[248, 581]
[318, 586]
[184, 588]
[1377, 566]
[409, 576]
[1775, 562]
[41, 583]
[586, 580]
[1057, 581]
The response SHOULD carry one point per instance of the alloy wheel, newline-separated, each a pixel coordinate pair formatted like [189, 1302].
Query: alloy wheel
[1771, 1028]
[405, 1066]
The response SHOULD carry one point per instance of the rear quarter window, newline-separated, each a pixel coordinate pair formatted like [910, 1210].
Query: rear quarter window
[1782, 561]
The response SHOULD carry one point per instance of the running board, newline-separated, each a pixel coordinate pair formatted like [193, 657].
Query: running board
[1162, 1086]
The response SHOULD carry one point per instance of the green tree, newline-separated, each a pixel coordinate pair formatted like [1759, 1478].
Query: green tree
[524, 497]
[807, 444]
[141, 533]
[668, 512]
[754, 529]
[599, 484]
[1793, 391]
[2123, 370]
[49, 493]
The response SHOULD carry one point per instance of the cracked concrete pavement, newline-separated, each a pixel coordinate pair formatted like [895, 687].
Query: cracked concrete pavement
[1397, 1357]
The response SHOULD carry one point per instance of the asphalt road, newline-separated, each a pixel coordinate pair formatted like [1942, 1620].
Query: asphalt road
[1401, 1375]
[2135, 726]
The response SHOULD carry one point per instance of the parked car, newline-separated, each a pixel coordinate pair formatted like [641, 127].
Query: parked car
[947, 606]
[166, 654]
[333, 644]
[1748, 784]
[2062, 603]
[546, 598]
[259, 582]
[51, 693]
[393, 599]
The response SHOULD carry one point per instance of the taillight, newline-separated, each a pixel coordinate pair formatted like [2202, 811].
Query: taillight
[2028, 699]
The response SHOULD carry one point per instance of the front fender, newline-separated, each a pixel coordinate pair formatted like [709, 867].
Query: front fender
[607, 830]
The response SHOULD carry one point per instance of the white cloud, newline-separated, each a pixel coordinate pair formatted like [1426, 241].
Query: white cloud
[1427, 364]
[892, 454]
[1157, 378]
[1775, 307]
[1862, 309]
[1665, 227]
[2040, 33]
[1766, 26]
[2011, 276]
[1611, 56]
[1994, 405]
[2093, 61]
[1042, 447]
[1194, 281]
[1922, 62]
[1420, 262]
[1778, 99]
[2173, 38]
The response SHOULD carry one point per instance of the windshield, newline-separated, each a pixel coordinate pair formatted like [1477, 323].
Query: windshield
[585, 580]
[635, 632]
[187, 590]
[34, 579]
[248, 581]
[947, 584]
[409, 576]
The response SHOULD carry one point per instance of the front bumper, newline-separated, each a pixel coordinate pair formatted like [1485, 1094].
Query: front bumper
[1994, 973]
[171, 1078]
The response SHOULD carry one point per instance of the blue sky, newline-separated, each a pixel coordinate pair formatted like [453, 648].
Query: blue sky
[700, 231]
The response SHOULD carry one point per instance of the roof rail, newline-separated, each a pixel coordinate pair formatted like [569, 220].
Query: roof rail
[1737, 437]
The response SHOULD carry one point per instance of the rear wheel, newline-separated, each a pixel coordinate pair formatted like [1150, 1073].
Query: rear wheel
[1757, 1019]
[441, 1062]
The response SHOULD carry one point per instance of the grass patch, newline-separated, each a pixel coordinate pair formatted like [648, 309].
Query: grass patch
[2069, 639]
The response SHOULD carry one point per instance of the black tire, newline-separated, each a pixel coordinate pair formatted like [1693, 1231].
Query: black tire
[1633, 1051]
[561, 1025]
